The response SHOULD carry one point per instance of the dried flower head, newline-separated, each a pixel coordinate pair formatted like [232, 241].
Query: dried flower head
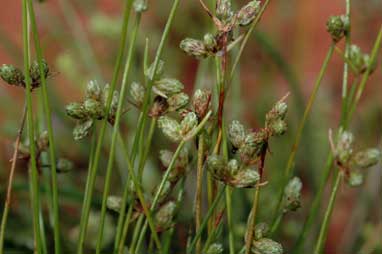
[201, 102]
[93, 90]
[367, 158]
[114, 203]
[158, 72]
[167, 86]
[140, 6]
[261, 230]
[344, 146]
[76, 110]
[137, 92]
[177, 101]
[82, 129]
[164, 216]
[215, 248]
[236, 134]
[34, 72]
[159, 106]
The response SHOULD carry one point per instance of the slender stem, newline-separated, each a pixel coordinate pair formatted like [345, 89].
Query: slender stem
[276, 223]
[205, 220]
[246, 37]
[33, 172]
[48, 118]
[124, 88]
[231, 238]
[137, 230]
[125, 229]
[94, 168]
[199, 187]
[365, 77]
[146, 100]
[252, 222]
[146, 151]
[297, 140]
[325, 224]
[8, 198]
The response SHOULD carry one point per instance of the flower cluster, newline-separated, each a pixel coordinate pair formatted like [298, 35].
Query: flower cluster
[169, 93]
[225, 21]
[292, 195]
[63, 165]
[262, 244]
[360, 62]
[352, 163]
[92, 108]
[249, 146]
[177, 131]
[15, 77]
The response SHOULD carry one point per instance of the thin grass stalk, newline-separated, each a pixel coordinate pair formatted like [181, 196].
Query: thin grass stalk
[246, 37]
[179, 200]
[365, 77]
[168, 172]
[125, 229]
[48, 119]
[8, 198]
[199, 187]
[146, 100]
[145, 152]
[33, 172]
[137, 230]
[252, 222]
[297, 139]
[329, 210]
[210, 212]
[122, 95]
[93, 171]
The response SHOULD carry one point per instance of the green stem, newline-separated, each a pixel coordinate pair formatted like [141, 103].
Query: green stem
[109, 169]
[296, 143]
[146, 100]
[276, 224]
[199, 187]
[93, 171]
[7, 203]
[48, 119]
[365, 77]
[231, 238]
[33, 172]
[137, 230]
[146, 151]
[125, 229]
[205, 220]
[246, 37]
[252, 222]
[325, 224]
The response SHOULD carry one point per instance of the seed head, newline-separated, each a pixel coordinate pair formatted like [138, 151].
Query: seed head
[82, 129]
[367, 158]
[12, 75]
[278, 127]
[168, 86]
[43, 141]
[360, 61]
[76, 110]
[137, 92]
[261, 230]
[34, 72]
[292, 195]
[64, 165]
[216, 165]
[224, 10]
[266, 246]
[170, 128]
[210, 42]
[355, 178]
[195, 48]
[140, 6]
[177, 101]
[189, 122]
[164, 216]
[344, 147]
[215, 248]
[93, 90]
[337, 27]
[248, 13]
[159, 106]
[114, 203]
[236, 134]
[158, 73]
[94, 109]
[201, 102]
[233, 166]
[245, 178]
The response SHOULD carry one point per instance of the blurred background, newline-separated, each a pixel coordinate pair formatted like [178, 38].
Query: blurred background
[80, 40]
